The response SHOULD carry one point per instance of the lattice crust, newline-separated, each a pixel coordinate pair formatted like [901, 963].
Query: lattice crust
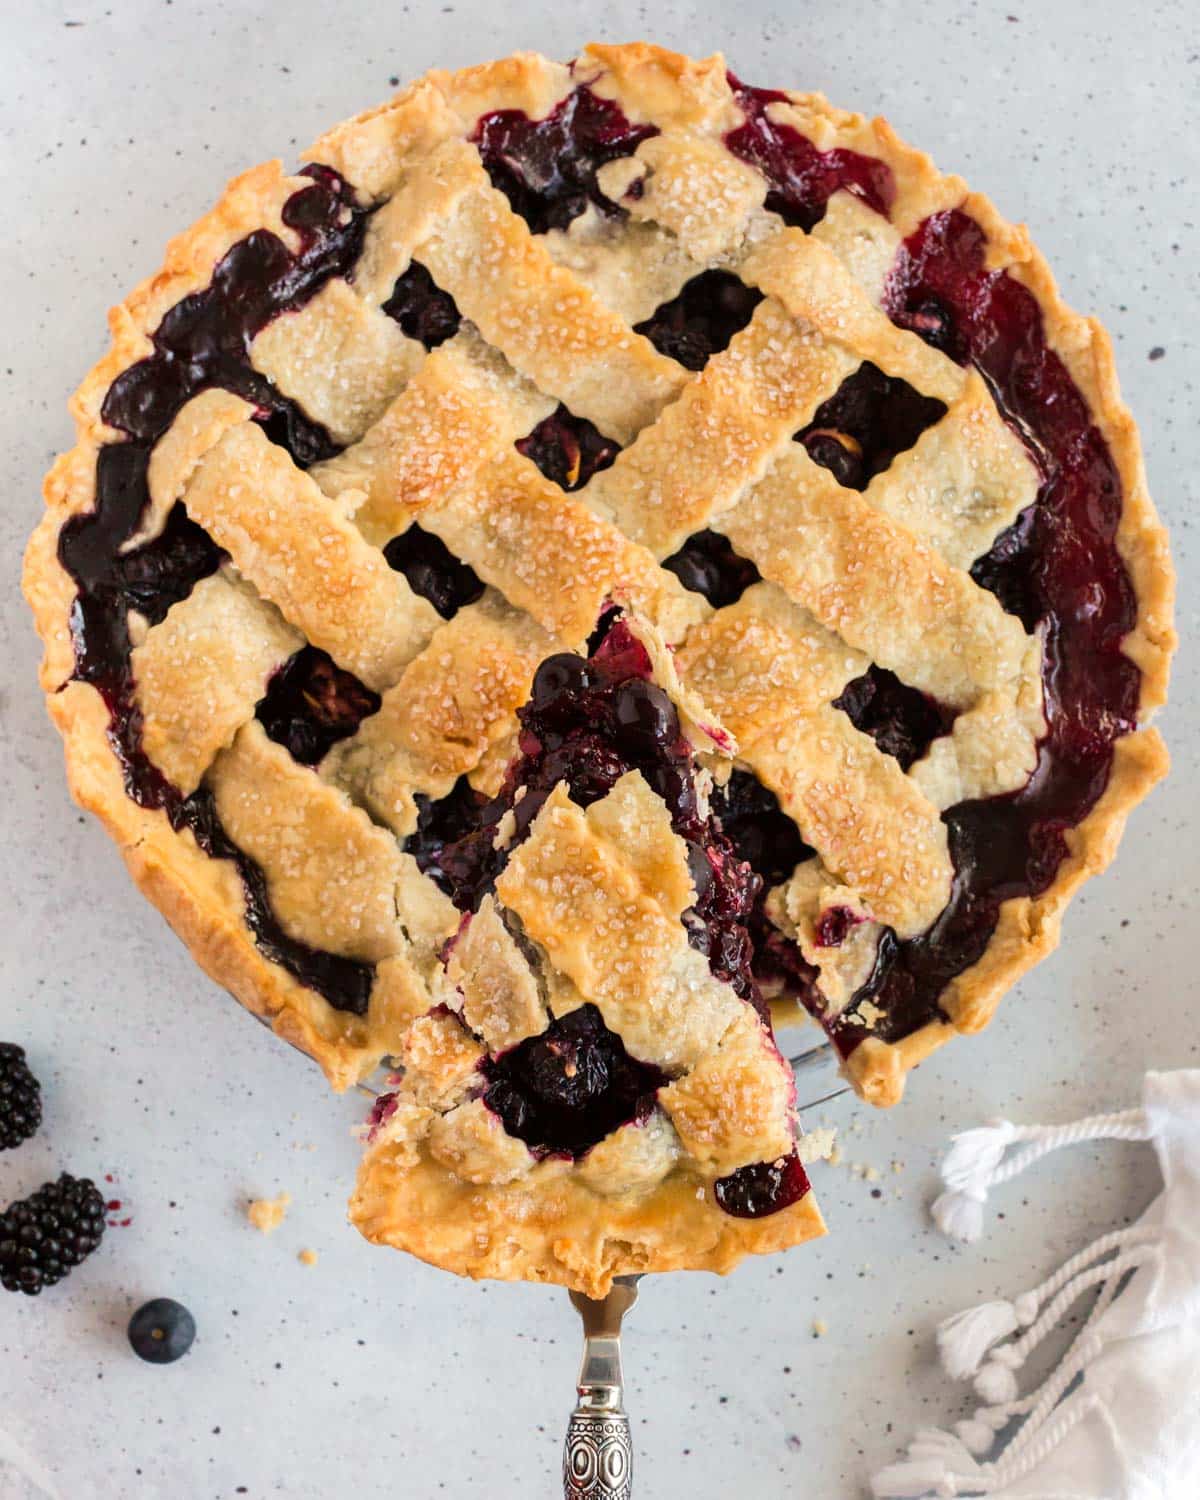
[730, 1104]
[303, 555]
[200, 673]
[850, 579]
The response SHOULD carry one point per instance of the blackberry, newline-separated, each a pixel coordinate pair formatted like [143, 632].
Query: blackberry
[20, 1097]
[44, 1237]
[162, 1331]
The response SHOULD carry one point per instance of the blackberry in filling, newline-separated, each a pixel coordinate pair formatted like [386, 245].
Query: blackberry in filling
[422, 309]
[311, 704]
[902, 720]
[547, 168]
[708, 565]
[868, 420]
[568, 449]
[562, 1092]
[701, 320]
[433, 571]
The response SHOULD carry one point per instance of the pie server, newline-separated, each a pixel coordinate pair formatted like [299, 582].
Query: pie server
[598, 1453]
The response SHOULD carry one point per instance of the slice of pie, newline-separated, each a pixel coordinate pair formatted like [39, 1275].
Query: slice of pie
[602, 1063]
[369, 466]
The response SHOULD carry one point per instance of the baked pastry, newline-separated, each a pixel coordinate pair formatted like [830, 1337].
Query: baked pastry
[536, 356]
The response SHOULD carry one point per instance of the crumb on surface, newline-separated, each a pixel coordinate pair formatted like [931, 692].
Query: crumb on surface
[267, 1214]
[820, 1328]
[308, 1257]
[817, 1145]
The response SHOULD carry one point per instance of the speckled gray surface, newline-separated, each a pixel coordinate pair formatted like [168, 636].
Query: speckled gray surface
[369, 1372]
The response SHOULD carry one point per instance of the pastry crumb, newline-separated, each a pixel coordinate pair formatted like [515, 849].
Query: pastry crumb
[817, 1145]
[308, 1257]
[267, 1214]
[820, 1328]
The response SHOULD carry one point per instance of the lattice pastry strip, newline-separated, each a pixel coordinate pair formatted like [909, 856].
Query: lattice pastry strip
[301, 553]
[464, 404]
[875, 583]
[964, 480]
[340, 357]
[722, 433]
[870, 823]
[553, 557]
[200, 425]
[620, 949]
[200, 672]
[455, 699]
[548, 325]
[332, 875]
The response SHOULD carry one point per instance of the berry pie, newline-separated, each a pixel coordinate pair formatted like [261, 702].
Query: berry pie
[600, 556]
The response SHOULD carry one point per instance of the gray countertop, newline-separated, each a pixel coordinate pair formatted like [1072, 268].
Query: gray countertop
[370, 1372]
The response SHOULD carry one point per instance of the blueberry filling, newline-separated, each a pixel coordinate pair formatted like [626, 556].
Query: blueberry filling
[433, 571]
[868, 420]
[588, 722]
[547, 168]
[760, 831]
[702, 318]
[568, 449]
[311, 704]
[203, 341]
[708, 565]
[423, 311]
[901, 720]
[563, 1091]
[802, 179]
[763, 1188]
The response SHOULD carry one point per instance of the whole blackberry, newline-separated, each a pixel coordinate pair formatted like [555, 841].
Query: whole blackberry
[20, 1097]
[43, 1237]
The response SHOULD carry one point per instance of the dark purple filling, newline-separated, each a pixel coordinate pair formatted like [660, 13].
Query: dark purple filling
[433, 571]
[1058, 564]
[422, 309]
[764, 1188]
[203, 341]
[802, 179]
[868, 420]
[588, 722]
[568, 449]
[311, 704]
[547, 168]
[902, 720]
[563, 1091]
[702, 318]
[760, 831]
[708, 565]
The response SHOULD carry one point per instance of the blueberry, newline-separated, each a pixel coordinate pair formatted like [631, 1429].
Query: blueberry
[563, 676]
[646, 718]
[162, 1331]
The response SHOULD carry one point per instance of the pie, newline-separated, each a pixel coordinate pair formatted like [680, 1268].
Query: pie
[600, 555]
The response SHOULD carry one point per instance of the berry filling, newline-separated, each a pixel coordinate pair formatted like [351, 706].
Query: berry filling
[423, 311]
[547, 168]
[588, 722]
[203, 341]
[802, 179]
[702, 318]
[764, 1187]
[568, 449]
[902, 720]
[708, 565]
[562, 1092]
[311, 704]
[868, 420]
[433, 571]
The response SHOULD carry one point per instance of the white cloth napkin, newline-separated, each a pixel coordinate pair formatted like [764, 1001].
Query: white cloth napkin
[1119, 1419]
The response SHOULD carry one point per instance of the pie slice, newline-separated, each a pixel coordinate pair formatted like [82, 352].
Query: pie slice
[598, 1091]
[374, 452]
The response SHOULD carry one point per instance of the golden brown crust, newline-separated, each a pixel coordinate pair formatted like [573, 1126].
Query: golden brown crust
[201, 898]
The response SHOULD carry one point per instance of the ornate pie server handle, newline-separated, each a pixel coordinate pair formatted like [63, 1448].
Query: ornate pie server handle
[598, 1454]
